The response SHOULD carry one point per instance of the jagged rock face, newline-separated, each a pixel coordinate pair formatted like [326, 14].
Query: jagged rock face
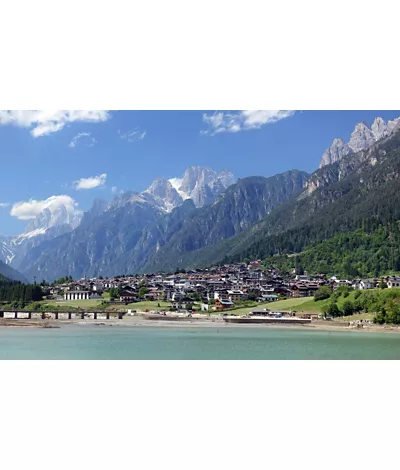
[379, 128]
[226, 178]
[239, 207]
[127, 236]
[335, 152]
[49, 224]
[164, 194]
[202, 184]
[6, 252]
[58, 217]
[362, 138]
[394, 125]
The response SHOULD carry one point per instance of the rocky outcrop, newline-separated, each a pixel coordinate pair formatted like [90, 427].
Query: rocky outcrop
[362, 138]
[202, 184]
[335, 152]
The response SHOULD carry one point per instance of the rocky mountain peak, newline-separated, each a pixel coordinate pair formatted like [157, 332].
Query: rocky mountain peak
[335, 152]
[54, 217]
[163, 194]
[201, 184]
[393, 125]
[379, 128]
[362, 138]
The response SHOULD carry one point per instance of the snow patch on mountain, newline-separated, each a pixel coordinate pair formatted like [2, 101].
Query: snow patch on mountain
[50, 223]
[176, 184]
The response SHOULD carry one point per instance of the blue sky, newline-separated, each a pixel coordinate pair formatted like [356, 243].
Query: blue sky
[96, 154]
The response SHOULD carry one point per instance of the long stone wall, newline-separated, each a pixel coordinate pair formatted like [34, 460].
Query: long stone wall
[34, 315]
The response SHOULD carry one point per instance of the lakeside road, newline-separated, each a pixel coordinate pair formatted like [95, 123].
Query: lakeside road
[207, 322]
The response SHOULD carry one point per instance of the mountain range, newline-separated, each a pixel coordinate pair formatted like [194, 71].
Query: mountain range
[361, 138]
[206, 217]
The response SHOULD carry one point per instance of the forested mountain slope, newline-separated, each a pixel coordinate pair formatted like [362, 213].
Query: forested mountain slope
[360, 190]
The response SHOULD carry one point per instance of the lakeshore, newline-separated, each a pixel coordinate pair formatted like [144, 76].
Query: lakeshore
[144, 320]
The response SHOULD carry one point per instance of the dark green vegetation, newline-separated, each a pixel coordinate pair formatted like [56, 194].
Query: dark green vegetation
[63, 280]
[344, 222]
[362, 253]
[15, 291]
[384, 304]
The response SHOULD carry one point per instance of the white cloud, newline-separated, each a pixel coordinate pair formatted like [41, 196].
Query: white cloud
[114, 189]
[27, 210]
[90, 183]
[133, 136]
[46, 122]
[81, 135]
[4, 204]
[241, 120]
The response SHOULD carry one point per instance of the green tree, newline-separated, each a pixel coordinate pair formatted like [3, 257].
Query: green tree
[143, 291]
[380, 317]
[323, 293]
[348, 308]
[114, 293]
[333, 310]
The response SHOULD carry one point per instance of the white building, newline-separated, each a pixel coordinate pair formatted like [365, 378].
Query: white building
[77, 295]
[366, 284]
[393, 282]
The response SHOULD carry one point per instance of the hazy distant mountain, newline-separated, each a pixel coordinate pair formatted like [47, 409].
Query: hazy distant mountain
[134, 233]
[49, 224]
[10, 273]
[202, 185]
[237, 209]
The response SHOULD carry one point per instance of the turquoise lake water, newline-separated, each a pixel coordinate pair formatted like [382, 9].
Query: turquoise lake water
[103, 342]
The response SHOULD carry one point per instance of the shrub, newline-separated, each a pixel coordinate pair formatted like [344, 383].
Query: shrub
[323, 293]
[380, 317]
[348, 308]
[333, 309]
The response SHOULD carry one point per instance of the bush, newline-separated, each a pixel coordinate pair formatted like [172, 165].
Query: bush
[380, 317]
[348, 308]
[343, 290]
[333, 310]
[323, 293]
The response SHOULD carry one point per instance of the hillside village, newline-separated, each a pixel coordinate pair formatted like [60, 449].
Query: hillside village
[215, 288]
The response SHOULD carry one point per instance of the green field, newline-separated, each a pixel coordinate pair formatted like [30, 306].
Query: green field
[75, 303]
[96, 303]
[148, 305]
[356, 316]
[289, 304]
[304, 304]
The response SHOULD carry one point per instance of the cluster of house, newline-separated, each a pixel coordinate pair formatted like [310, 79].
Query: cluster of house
[214, 288]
